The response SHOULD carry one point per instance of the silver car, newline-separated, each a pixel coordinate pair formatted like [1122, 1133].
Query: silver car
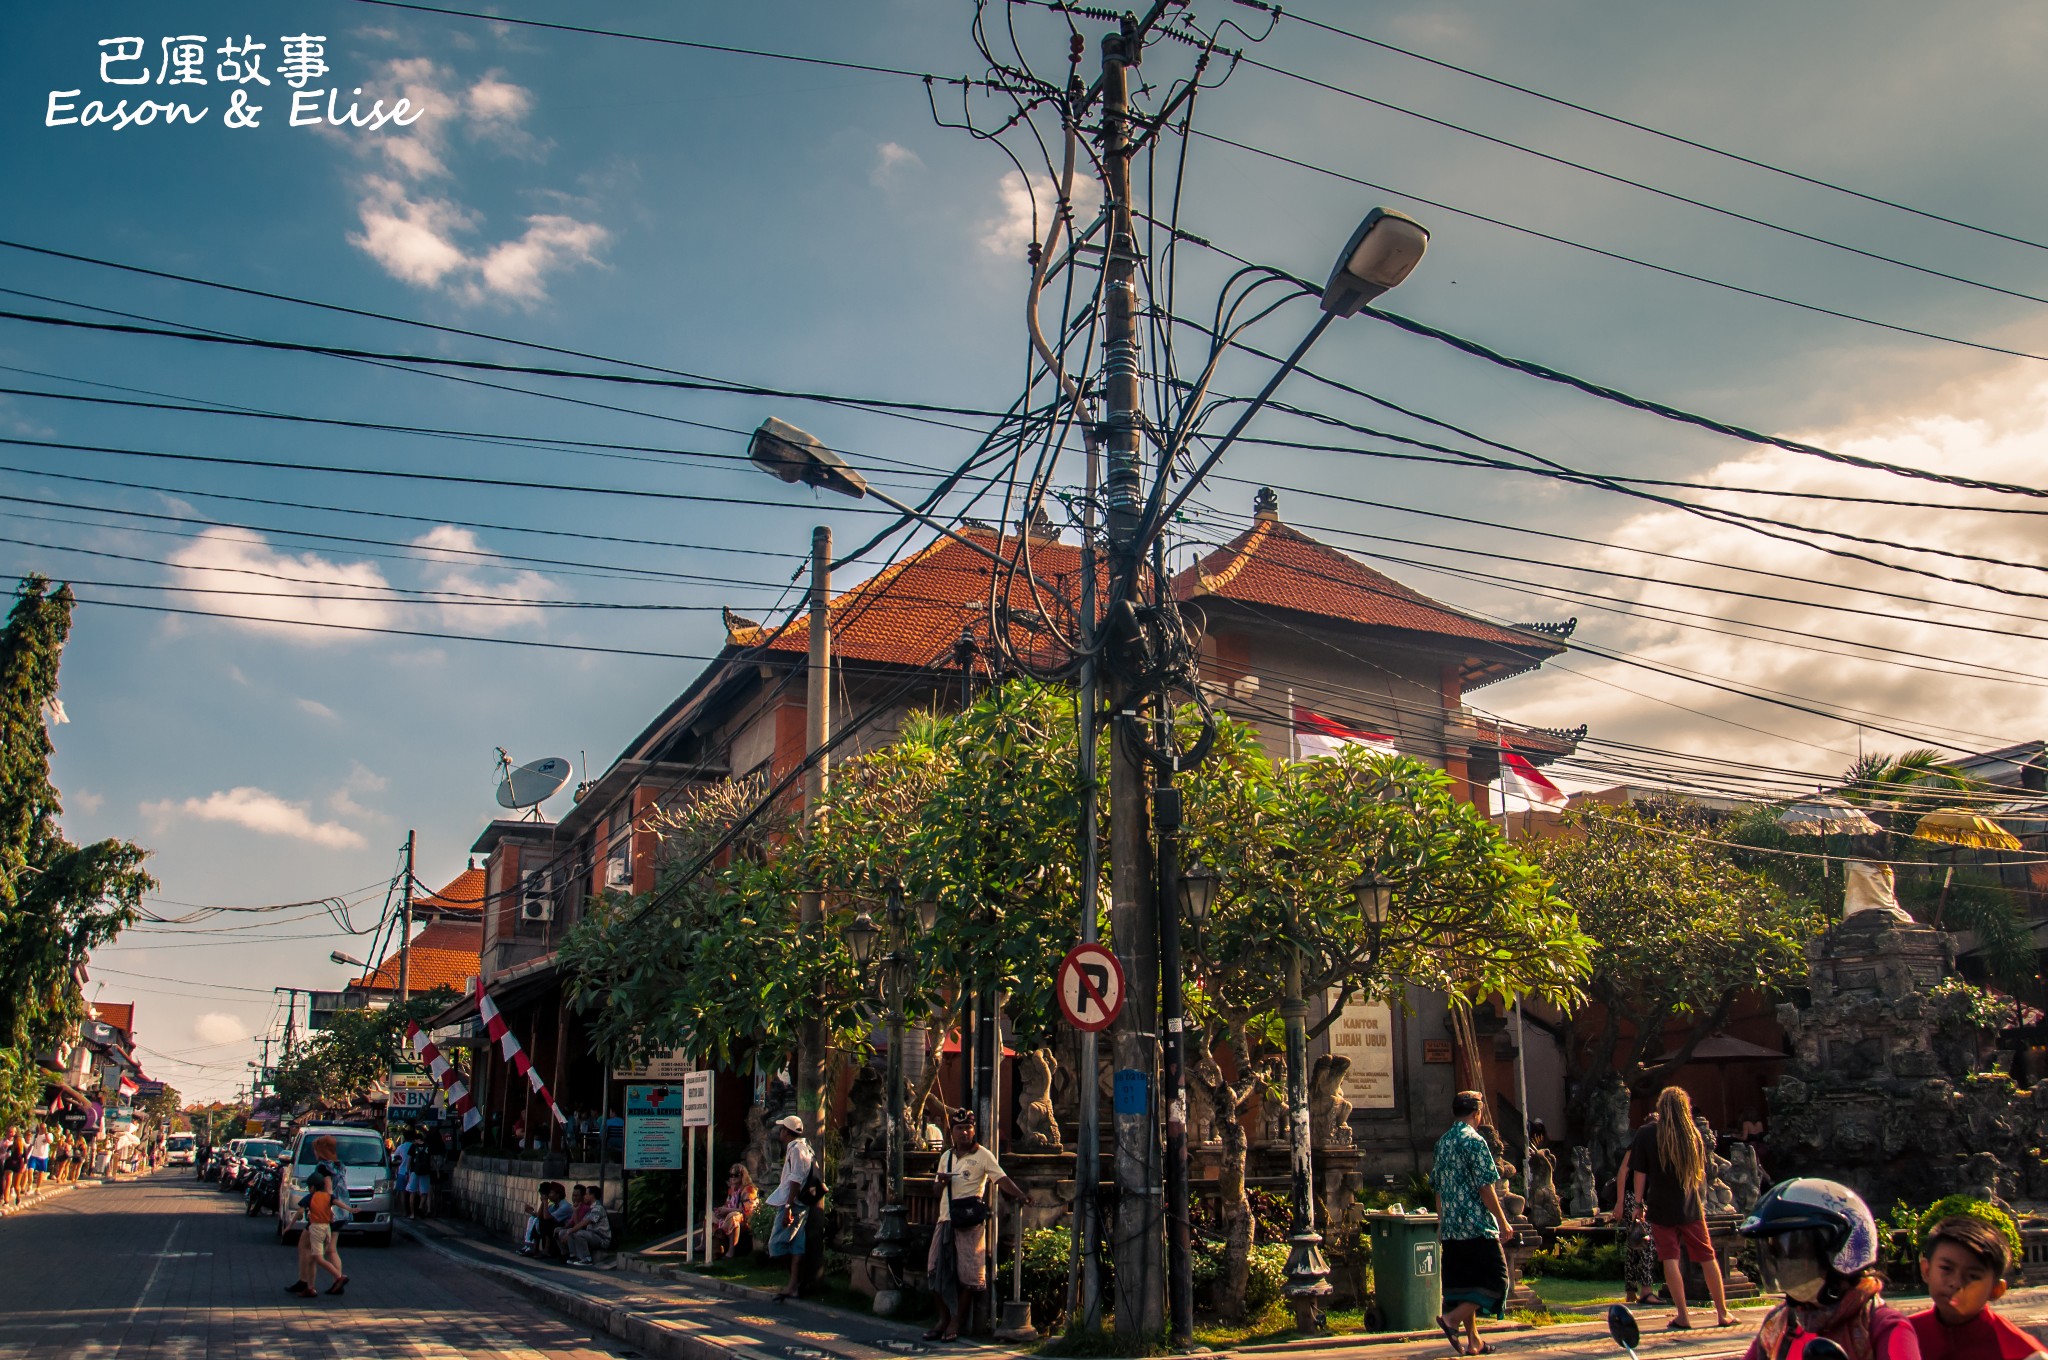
[365, 1165]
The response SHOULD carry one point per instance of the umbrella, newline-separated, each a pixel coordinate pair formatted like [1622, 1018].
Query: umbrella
[1960, 826]
[1826, 816]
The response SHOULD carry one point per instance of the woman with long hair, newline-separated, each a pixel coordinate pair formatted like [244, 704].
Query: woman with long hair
[735, 1213]
[1668, 1163]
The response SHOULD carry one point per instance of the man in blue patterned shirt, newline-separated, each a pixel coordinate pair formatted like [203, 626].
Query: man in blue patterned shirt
[1471, 1224]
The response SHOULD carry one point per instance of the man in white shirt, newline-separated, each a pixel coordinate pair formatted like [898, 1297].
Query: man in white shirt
[38, 1156]
[959, 1255]
[792, 1207]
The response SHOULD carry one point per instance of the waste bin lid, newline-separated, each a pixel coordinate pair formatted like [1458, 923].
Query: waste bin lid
[1423, 1216]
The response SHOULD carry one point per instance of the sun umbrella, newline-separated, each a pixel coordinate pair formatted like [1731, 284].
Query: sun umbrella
[1826, 817]
[1960, 826]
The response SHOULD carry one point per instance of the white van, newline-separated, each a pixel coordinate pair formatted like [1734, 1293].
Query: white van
[365, 1164]
[180, 1149]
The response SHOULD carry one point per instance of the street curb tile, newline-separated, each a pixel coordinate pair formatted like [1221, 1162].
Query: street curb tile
[646, 1334]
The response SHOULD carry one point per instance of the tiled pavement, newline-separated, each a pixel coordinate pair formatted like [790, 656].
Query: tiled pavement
[166, 1266]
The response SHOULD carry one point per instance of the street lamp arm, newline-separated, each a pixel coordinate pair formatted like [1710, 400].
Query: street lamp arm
[1156, 520]
[911, 512]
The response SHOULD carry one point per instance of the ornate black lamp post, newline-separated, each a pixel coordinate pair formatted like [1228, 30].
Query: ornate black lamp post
[862, 937]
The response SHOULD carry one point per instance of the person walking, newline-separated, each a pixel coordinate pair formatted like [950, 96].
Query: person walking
[316, 1240]
[1668, 1166]
[1471, 1225]
[957, 1265]
[735, 1213]
[419, 1164]
[793, 1198]
[327, 1247]
[38, 1156]
[13, 1166]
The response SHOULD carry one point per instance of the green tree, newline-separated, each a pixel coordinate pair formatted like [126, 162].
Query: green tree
[337, 1065]
[158, 1109]
[1680, 932]
[58, 901]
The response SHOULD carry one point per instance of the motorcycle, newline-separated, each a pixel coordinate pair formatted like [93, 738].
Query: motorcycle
[263, 1188]
[1628, 1334]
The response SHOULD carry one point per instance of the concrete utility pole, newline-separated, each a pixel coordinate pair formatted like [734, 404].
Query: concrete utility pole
[1134, 927]
[810, 1059]
[405, 940]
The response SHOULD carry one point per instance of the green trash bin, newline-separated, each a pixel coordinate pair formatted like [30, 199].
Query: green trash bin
[1407, 1270]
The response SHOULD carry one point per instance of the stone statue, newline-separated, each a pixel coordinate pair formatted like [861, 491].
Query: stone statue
[1979, 1178]
[1607, 1128]
[1543, 1209]
[1510, 1202]
[1716, 1196]
[1329, 1112]
[1582, 1199]
[1744, 1177]
[867, 1114]
[1038, 1128]
[764, 1149]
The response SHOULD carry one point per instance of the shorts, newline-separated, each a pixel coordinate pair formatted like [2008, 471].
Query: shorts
[39, 1163]
[1691, 1236]
[788, 1238]
[417, 1184]
[318, 1238]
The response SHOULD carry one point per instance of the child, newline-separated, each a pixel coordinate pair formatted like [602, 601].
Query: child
[1818, 1240]
[316, 1251]
[1964, 1263]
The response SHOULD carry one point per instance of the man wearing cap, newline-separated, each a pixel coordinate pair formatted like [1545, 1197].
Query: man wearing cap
[792, 1207]
[959, 1255]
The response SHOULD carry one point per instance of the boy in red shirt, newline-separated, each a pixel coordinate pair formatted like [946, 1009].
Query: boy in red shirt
[1964, 1262]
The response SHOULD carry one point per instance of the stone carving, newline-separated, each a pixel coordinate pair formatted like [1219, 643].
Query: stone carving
[1329, 1111]
[1543, 1209]
[1607, 1127]
[867, 1114]
[1583, 1199]
[1201, 1114]
[1038, 1128]
[1510, 1202]
[764, 1150]
[1744, 1177]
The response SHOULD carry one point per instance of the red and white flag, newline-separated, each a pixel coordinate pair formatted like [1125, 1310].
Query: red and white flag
[508, 1044]
[1316, 735]
[128, 1086]
[458, 1093]
[1525, 781]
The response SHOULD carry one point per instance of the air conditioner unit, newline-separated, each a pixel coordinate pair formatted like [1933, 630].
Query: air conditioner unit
[537, 896]
[617, 870]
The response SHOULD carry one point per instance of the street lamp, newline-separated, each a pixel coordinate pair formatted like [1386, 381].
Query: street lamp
[1380, 254]
[861, 934]
[1197, 894]
[336, 956]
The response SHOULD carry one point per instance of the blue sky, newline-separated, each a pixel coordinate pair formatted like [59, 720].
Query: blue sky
[811, 228]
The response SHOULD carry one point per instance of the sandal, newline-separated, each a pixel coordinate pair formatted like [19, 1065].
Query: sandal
[1450, 1335]
[1481, 1349]
[934, 1335]
[1676, 1326]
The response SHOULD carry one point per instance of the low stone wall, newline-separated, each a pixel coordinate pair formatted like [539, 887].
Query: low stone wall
[498, 1192]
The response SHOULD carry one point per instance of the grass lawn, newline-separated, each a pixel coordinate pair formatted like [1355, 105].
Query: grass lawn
[1576, 1293]
[836, 1292]
[1275, 1324]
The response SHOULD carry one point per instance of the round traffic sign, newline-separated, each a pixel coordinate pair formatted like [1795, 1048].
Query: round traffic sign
[1091, 987]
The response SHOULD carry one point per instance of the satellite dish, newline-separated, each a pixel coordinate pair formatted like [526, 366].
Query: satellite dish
[533, 783]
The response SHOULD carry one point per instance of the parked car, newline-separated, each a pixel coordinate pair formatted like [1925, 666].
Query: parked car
[180, 1149]
[365, 1164]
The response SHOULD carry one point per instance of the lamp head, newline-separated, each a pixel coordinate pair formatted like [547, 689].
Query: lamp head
[927, 914]
[1380, 254]
[795, 455]
[1374, 895]
[861, 934]
[1197, 893]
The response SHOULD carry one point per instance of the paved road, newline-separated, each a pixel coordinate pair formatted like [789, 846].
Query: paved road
[166, 1266]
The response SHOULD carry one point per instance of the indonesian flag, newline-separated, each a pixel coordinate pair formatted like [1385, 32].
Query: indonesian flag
[458, 1093]
[1525, 781]
[128, 1086]
[508, 1044]
[1316, 735]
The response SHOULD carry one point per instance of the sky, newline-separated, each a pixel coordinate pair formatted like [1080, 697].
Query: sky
[813, 229]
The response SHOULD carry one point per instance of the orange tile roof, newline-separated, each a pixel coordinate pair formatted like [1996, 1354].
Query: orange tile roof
[119, 1014]
[1280, 567]
[444, 954]
[912, 613]
[464, 893]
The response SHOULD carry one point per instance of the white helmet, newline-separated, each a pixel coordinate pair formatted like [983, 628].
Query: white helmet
[1843, 1231]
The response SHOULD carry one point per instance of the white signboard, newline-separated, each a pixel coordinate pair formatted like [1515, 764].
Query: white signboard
[659, 1067]
[697, 1100]
[412, 1094]
[1364, 1033]
[654, 1127]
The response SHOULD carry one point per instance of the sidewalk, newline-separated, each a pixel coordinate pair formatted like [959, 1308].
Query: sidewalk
[45, 1194]
[685, 1318]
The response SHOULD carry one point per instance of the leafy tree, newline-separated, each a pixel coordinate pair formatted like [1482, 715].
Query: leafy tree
[1680, 933]
[158, 1108]
[58, 901]
[336, 1065]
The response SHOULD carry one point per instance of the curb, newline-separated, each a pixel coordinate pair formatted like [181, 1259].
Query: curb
[645, 1334]
[41, 1197]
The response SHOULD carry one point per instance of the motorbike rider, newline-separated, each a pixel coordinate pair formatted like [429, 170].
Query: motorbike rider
[1817, 1240]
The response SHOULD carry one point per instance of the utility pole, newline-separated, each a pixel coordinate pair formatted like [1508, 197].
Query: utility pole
[810, 1061]
[405, 940]
[1134, 927]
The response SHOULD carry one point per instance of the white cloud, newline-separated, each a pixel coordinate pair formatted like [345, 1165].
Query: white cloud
[85, 801]
[494, 102]
[1014, 224]
[219, 1027]
[304, 588]
[892, 162]
[1958, 711]
[317, 709]
[453, 557]
[361, 779]
[514, 269]
[257, 810]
